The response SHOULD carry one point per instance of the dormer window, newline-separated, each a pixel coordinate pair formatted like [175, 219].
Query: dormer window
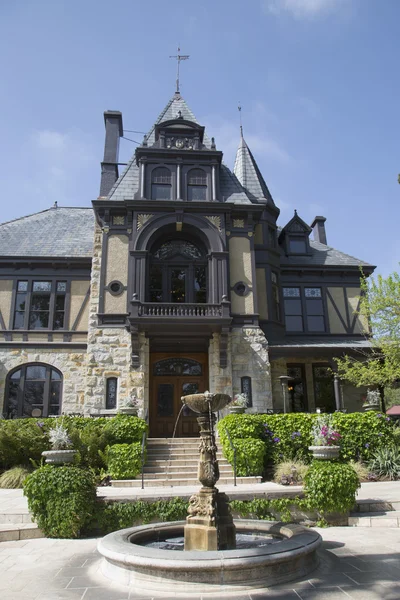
[161, 184]
[197, 185]
[297, 245]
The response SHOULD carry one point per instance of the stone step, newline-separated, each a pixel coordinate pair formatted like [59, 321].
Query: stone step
[22, 531]
[180, 463]
[375, 519]
[371, 506]
[178, 482]
[22, 517]
[173, 468]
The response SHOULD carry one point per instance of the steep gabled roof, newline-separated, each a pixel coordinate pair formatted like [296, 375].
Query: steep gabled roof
[56, 232]
[248, 173]
[231, 188]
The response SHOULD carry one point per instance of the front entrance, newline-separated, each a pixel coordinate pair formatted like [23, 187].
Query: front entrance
[173, 376]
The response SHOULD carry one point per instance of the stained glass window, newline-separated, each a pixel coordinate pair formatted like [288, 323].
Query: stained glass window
[111, 393]
[177, 366]
[245, 385]
[175, 248]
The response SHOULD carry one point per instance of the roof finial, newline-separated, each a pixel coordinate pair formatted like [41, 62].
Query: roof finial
[240, 119]
[179, 57]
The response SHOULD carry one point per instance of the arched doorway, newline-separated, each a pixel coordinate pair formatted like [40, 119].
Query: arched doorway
[174, 376]
[33, 389]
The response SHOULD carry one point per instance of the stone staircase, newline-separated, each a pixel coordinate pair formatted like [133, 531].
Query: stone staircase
[172, 462]
[375, 513]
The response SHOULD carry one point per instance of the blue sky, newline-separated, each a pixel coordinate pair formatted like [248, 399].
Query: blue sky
[317, 80]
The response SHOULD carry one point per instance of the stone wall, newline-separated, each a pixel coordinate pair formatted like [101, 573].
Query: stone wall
[72, 365]
[249, 356]
[110, 349]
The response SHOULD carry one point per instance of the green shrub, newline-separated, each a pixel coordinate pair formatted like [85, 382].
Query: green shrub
[111, 516]
[125, 429]
[250, 456]
[385, 462]
[124, 460]
[288, 436]
[13, 478]
[91, 442]
[363, 434]
[22, 440]
[330, 486]
[61, 499]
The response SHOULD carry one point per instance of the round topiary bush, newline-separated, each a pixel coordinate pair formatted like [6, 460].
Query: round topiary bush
[61, 499]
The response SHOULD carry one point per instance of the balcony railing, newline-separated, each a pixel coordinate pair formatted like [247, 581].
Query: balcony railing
[161, 309]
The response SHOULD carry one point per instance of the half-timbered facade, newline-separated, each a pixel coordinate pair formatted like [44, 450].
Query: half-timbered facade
[177, 279]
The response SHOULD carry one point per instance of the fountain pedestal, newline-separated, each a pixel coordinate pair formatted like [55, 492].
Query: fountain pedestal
[209, 524]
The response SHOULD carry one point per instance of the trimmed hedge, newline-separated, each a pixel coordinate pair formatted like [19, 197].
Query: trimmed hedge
[124, 460]
[288, 436]
[331, 486]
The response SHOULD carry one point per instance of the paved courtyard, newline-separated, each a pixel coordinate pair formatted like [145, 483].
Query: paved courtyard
[359, 563]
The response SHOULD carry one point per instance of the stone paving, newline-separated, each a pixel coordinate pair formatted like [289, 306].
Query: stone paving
[363, 564]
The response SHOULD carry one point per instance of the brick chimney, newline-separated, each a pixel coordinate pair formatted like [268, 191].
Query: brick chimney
[318, 227]
[109, 166]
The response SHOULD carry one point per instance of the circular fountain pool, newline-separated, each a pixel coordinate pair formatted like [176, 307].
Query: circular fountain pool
[267, 553]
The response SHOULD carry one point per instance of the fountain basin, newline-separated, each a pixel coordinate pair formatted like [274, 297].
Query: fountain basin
[202, 403]
[153, 571]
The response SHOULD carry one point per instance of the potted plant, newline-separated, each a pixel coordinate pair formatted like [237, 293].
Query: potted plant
[325, 439]
[372, 401]
[238, 404]
[61, 447]
[130, 407]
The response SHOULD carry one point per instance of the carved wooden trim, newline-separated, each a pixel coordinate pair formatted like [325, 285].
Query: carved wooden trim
[215, 220]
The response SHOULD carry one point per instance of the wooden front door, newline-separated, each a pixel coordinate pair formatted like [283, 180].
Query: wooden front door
[174, 376]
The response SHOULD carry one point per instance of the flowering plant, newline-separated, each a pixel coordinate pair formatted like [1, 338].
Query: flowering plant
[239, 400]
[59, 438]
[323, 433]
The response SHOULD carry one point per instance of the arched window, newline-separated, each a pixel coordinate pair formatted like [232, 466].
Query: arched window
[178, 273]
[33, 390]
[197, 185]
[161, 188]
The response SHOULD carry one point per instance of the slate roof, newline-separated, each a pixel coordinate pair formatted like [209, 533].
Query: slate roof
[322, 255]
[56, 232]
[128, 183]
[248, 173]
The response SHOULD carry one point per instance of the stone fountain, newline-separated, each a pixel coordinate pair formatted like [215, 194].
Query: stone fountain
[200, 556]
[209, 524]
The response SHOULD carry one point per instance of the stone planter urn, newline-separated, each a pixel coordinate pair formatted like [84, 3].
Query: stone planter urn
[127, 410]
[325, 452]
[368, 406]
[59, 457]
[237, 410]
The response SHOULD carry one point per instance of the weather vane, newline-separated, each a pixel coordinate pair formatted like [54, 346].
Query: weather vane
[178, 58]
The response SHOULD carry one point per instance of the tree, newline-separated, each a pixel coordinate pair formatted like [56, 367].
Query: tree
[380, 307]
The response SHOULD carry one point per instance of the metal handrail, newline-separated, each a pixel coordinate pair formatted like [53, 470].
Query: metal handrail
[144, 436]
[234, 455]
